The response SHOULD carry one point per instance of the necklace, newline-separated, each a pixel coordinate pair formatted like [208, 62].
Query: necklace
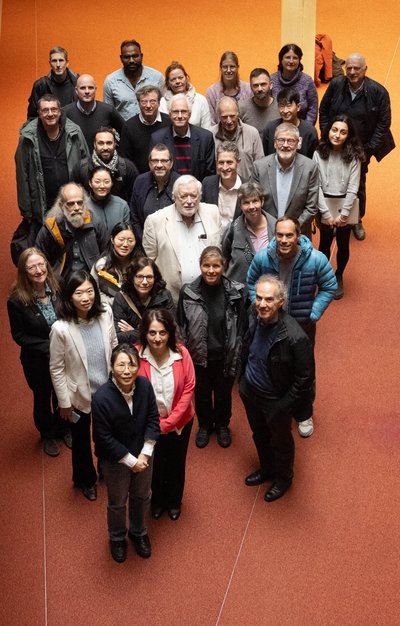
[57, 136]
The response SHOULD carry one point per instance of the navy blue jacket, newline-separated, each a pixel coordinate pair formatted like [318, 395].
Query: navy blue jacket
[117, 431]
[141, 187]
[203, 149]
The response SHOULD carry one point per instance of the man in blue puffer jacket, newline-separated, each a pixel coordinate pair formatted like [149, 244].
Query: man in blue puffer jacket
[310, 280]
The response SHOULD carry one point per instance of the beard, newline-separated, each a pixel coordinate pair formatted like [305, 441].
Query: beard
[76, 220]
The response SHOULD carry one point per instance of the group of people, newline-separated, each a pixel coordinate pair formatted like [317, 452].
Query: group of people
[168, 254]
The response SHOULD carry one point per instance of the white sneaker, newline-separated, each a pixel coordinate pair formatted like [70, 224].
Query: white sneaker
[306, 428]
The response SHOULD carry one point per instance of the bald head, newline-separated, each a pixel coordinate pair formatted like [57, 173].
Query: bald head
[86, 90]
[356, 68]
[228, 111]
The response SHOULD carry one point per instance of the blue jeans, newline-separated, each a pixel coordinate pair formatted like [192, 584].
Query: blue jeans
[123, 483]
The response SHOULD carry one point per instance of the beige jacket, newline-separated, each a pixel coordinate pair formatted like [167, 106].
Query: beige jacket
[161, 241]
[68, 361]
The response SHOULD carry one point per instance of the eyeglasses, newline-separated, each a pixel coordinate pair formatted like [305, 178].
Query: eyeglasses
[31, 269]
[122, 367]
[290, 142]
[176, 112]
[148, 103]
[52, 111]
[71, 203]
[141, 277]
[157, 161]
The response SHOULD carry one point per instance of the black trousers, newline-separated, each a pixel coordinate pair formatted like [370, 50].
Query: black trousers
[83, 471]
[304, 410]
[342, 235]
[272, 435]
[213, 395]
[45, 412]
[362, 190]
[169, 468]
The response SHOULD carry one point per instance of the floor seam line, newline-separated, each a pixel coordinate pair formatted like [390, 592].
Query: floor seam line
[391, 62]
[237, 558]
[44, 543]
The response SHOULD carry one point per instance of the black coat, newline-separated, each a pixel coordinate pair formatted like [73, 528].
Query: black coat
[290, 361]
[123, 311]
[117, 430]
[370, 111]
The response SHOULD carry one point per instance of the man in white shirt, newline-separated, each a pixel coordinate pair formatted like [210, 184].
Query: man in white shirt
[175, 236]
[222, 188]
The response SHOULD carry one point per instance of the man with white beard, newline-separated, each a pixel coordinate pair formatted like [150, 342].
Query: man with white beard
[71, 238]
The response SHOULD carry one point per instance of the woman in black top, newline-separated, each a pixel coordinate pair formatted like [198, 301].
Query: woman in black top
[212, 317]
[143, 289]
[31, 313]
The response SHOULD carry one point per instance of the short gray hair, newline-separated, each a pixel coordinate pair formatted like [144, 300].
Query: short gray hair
[274, 280]
[179, 96]
[286, 127]
[228, 146]
[357, 55]
[249, 190]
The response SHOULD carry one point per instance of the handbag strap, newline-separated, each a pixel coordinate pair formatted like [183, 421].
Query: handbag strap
[131, 304]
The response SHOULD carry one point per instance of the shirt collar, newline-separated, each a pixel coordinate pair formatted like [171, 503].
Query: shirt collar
[187, 134]
[237, 184]
[158, 119]
[82, 110]
[285, 169]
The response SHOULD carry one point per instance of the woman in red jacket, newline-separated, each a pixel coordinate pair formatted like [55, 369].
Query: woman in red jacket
[169, 367]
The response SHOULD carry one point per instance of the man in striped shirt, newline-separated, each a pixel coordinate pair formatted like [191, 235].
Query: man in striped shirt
[192, 147]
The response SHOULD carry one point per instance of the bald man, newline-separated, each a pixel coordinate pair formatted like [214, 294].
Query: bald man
[245, 137]
[91, 114]
[367, 103]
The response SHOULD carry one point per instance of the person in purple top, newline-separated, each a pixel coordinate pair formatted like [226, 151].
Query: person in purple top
[290, 74]
[228, 85]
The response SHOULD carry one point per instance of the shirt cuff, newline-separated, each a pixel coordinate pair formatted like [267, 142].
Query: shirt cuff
[148, 447]
[129, 460]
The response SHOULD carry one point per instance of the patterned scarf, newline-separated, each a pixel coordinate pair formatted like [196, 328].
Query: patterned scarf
[112, 165]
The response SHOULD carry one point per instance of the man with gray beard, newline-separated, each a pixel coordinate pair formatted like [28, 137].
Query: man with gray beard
[71, 238]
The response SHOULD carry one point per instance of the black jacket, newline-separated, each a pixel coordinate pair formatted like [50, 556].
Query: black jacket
[45, 85]
[142, 185]
[117, 430]
[92, 239]
[210, 192]
[29, 328]
[123, 179]
[290, 361]
[370, 111]
[123, 311]
[193, 322]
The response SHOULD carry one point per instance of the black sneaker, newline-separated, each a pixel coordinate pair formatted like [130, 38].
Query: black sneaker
[50, 447]
[224, 437]
[202, 438]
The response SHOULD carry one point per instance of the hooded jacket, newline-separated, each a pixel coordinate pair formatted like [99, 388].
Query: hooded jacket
[312, 284]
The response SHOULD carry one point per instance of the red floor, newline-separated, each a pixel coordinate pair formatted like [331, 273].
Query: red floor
[328, 552]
